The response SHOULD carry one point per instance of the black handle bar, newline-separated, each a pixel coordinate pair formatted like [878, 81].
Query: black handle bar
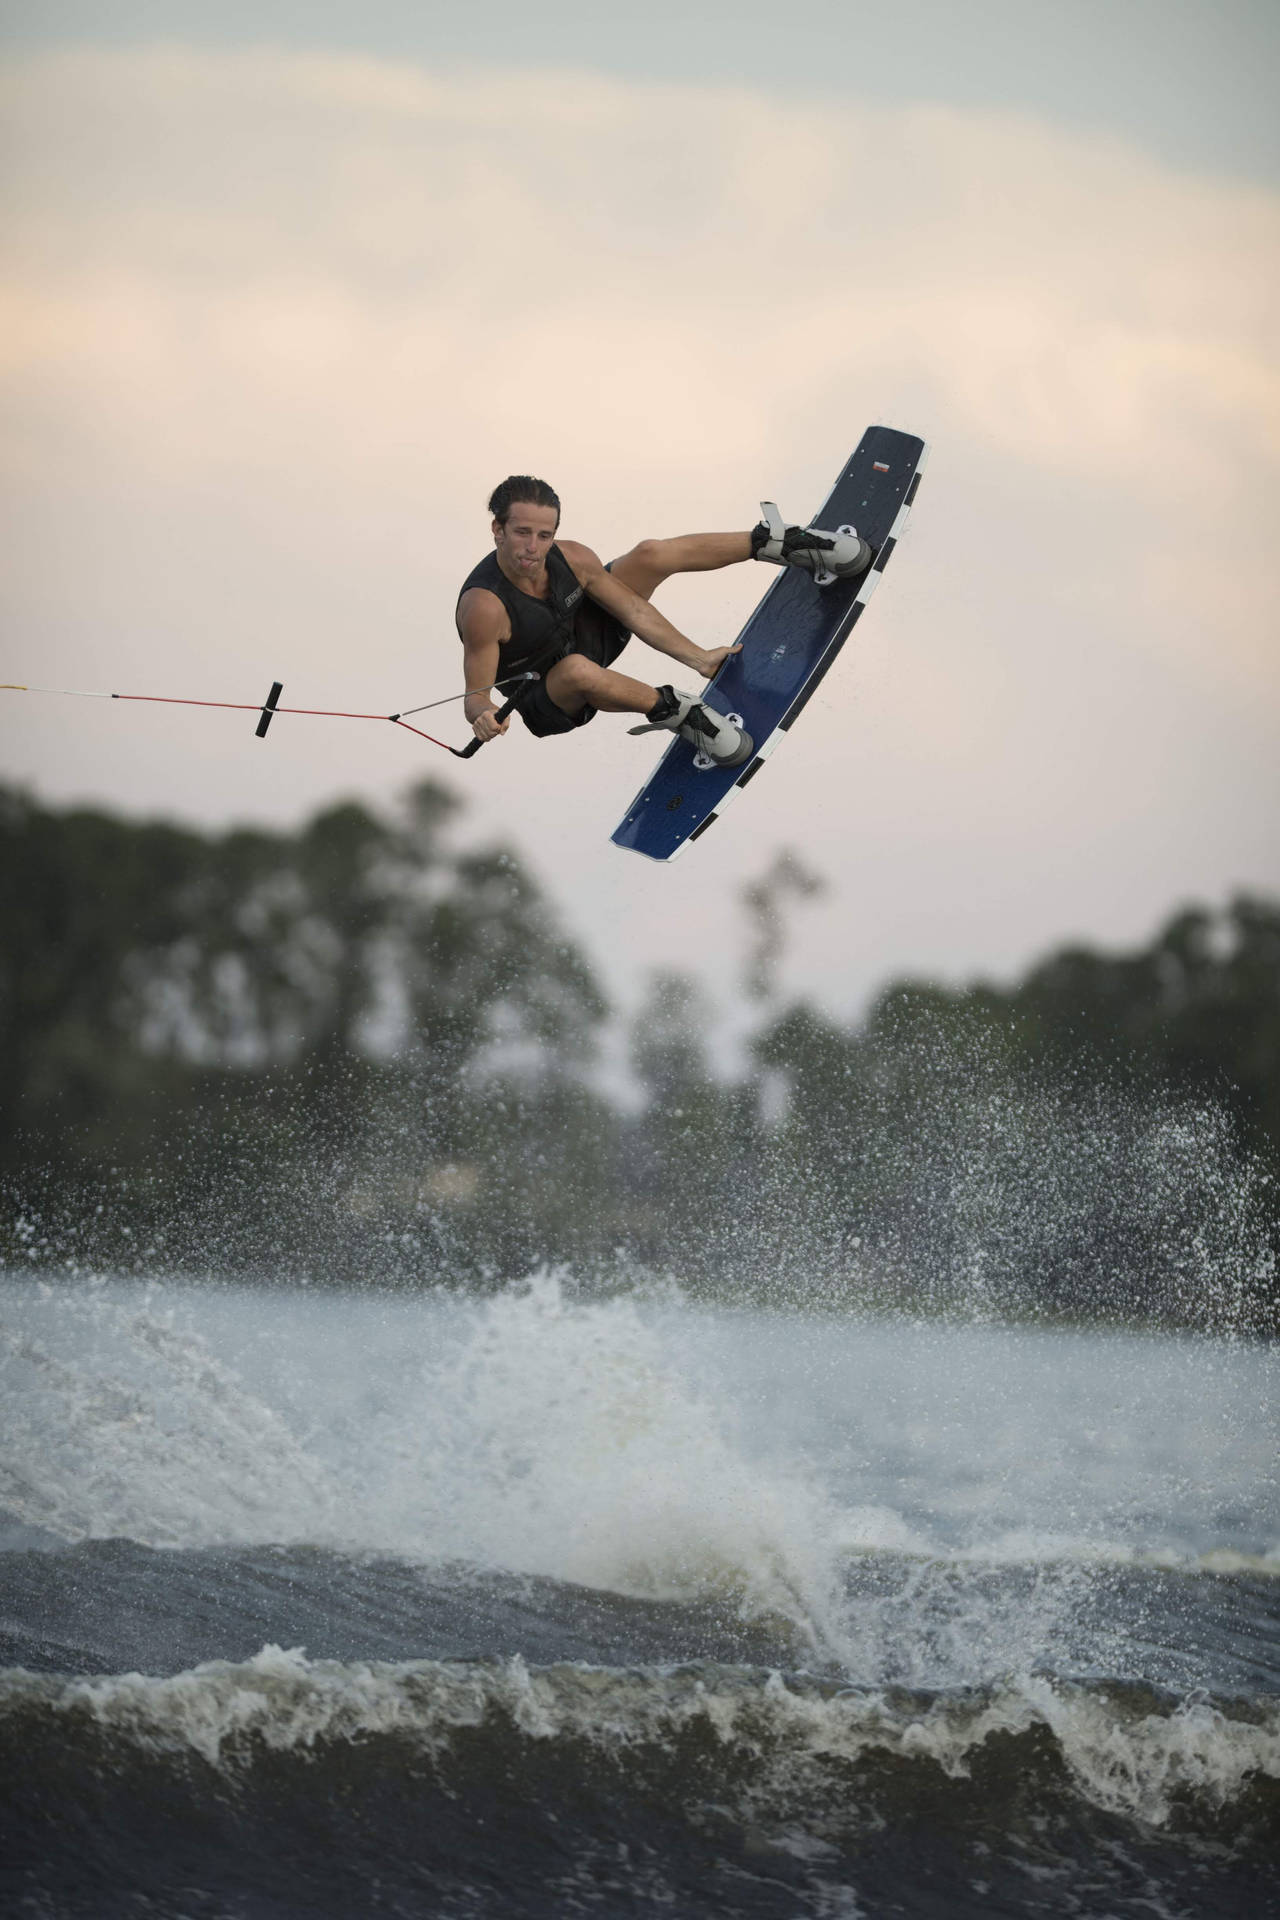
[504, 712]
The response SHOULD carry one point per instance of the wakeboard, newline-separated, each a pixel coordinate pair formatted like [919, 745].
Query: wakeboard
[788, 643]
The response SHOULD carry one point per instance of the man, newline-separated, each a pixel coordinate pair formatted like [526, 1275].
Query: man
[538, 605]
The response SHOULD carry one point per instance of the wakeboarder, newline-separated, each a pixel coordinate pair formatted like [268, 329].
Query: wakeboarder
[538, 604]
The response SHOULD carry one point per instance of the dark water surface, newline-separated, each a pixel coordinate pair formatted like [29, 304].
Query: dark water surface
[321, 1605]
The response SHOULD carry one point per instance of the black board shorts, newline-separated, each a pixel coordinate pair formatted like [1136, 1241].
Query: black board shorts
[601, 638]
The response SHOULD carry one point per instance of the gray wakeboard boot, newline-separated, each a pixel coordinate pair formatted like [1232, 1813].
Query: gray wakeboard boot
[719, 736]
[827, 556]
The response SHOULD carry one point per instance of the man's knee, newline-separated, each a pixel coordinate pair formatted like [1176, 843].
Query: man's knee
[576, 673]
[651, 555]
[644, 567]
[571, 681]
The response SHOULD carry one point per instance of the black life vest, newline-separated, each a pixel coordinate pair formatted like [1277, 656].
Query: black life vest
[541, 630]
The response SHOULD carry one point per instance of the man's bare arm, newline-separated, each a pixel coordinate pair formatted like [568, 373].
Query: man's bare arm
[484, 624]
[638, 614]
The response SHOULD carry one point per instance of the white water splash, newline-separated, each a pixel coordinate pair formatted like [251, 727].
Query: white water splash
[558, 1438]
[118, 1423]
[648, 1450]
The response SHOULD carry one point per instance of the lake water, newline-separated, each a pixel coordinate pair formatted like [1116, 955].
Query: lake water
[539, 1605]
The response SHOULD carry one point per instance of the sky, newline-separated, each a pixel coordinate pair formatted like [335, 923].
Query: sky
[285, 290]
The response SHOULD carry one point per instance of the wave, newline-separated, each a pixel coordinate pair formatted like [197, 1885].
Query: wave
[1125, 1748]
[1050, 1551]
[467, 1788]
[112, 1606]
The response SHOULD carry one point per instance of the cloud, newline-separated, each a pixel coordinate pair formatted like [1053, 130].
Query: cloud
[273, 325]
[1067, 299]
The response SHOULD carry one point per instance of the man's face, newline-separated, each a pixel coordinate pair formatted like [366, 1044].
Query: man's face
[525, 541]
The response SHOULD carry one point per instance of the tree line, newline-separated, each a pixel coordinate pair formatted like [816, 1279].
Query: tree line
[359, 1053]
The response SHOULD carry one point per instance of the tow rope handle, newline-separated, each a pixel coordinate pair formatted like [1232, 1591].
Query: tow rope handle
[268, 710]
[504, 712]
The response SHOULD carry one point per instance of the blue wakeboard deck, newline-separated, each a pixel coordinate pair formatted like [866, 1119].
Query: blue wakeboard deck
[788, 644]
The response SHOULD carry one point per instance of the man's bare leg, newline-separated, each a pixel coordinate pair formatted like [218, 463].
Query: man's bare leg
[576, 682]
[652, 561]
